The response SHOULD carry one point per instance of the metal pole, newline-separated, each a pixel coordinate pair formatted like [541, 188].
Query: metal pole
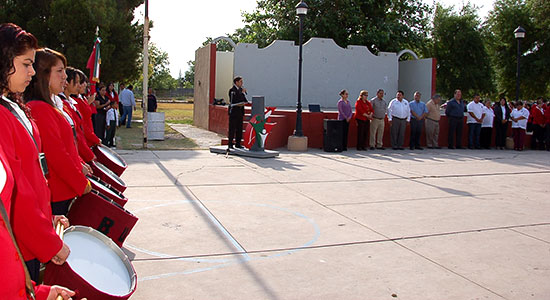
[145, 71]
[299, 131]
[517, 72]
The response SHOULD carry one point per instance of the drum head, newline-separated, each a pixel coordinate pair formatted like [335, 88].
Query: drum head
[112, 156]
[109, 173]
[99, 261]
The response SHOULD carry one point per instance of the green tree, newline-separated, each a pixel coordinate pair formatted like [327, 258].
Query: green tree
[384, 25]
[69, 26]
[535, 47]
[189, 78]
[458, 46]
[158, 71]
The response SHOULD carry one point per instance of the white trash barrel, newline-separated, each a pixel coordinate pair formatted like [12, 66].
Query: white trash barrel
[155, 126]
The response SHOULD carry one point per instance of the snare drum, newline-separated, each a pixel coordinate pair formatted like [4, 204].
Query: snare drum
[103, 214]
[108, 176]
[95, 269]
[110, 159]
[107, 190]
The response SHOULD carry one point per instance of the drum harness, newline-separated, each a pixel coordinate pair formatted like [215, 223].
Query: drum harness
[28, 283]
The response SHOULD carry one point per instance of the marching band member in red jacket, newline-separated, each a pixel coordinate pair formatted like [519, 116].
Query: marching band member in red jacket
[13, 273]
[66, 178]
[69, 105]
[86, 111]
[31, 216]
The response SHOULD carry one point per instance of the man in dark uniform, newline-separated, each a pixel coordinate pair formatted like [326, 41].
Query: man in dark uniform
[237, 100]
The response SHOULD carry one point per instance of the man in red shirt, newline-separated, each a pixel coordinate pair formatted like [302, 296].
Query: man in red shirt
[363, 116]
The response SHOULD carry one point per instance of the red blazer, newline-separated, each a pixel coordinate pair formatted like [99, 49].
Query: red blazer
[83, 149]
[12, 275]
[362, 108]
[547, 114]
[30, 217]
[65, 170]
[87, 125]
[113, 98]
[538, 115]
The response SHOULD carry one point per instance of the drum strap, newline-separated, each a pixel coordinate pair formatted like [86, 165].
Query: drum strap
[41, 156]
[28, 283]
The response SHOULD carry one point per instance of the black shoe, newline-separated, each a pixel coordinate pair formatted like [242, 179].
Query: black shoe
[372, 148]
[239, 146]
[400, 148]
[430, 147]
[419, 148]
[412, 148]
[459, 148]
[437, 147]
[451, 148]
[381, 148]
[395, 148]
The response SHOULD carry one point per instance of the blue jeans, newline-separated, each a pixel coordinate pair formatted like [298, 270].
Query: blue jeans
[126, 111]
[474, 132]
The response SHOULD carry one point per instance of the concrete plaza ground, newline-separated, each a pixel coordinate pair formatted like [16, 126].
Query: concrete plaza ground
[432, 224]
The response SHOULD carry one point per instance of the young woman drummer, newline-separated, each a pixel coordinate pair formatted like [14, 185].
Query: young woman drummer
[31, 215]
[13, 272]
[69, 105]
[85, 109]
[66, 178]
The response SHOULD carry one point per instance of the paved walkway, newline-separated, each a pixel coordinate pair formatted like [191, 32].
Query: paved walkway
[435, 224]
[202, 137]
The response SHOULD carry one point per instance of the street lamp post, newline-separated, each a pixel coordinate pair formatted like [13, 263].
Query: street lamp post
[301, 11]
[519, 33]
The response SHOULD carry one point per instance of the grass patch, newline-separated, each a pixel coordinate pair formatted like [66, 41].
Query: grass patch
[178, 113]
[132, 139]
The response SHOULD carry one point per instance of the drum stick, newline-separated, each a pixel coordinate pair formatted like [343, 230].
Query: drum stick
[59, 297]
[60, 230]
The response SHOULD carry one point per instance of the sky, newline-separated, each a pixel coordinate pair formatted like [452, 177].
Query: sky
[180, 27]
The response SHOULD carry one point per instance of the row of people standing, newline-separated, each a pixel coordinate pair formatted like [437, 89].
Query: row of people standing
[480, 118]
[45, 150]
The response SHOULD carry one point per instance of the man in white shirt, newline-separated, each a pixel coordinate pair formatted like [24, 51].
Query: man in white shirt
[519, 118]
[474, 118]
[399, 113]
[487, 125]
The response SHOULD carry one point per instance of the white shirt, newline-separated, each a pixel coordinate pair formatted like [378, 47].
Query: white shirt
[503, 108]
[477, 109]
[399, 109]
[489, 117]
[518, 113]
[21, 114]
[111, 116]
[59, 104]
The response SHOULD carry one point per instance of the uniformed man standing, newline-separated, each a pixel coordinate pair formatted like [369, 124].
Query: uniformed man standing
[236, 112]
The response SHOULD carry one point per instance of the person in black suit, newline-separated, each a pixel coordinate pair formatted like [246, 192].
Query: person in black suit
[237, 100]
[502, 117]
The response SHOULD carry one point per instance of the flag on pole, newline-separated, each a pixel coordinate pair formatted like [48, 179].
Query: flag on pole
[94, 62]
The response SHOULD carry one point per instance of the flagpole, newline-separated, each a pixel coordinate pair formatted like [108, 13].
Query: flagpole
[145, 71]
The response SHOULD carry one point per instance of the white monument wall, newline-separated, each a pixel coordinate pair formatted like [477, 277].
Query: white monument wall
[224, 74]
[327, 69]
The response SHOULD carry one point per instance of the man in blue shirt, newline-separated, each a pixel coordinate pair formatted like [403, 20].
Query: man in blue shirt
[455, 114]
[128, 104]
[419, 111]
